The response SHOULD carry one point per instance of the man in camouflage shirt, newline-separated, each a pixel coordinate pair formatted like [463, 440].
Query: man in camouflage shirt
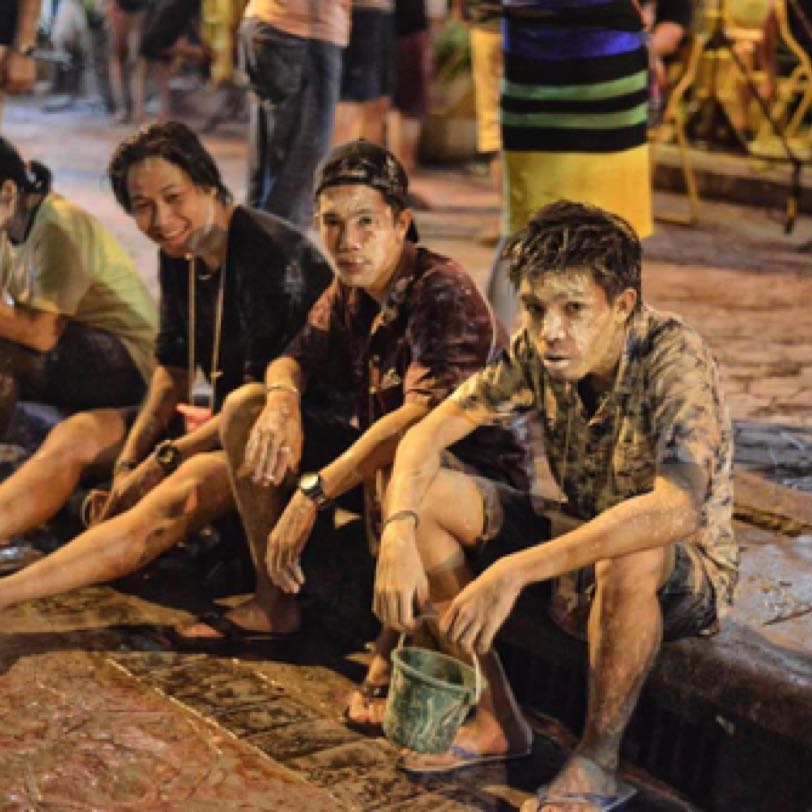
[639, 443]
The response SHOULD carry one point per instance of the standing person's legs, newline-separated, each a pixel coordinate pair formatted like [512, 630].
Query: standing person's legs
[309, 129]
[296, 82]
[365, 79]
[413, 68]
[116, 27]
[85, 442]
[194, 495]
[125, 68]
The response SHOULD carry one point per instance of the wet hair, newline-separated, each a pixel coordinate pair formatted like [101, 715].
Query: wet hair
[176, 144]
[30, 178]
[566, 235]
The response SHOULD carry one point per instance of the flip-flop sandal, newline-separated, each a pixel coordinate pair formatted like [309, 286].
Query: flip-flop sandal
[466, 758]
[16, 557]
[229, 633]
[592, 800]
[369, 692]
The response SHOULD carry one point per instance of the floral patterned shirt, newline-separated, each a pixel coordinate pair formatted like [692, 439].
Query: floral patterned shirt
[433, 331]
[666, 407]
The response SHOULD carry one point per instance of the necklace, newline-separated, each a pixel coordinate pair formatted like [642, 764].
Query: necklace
[215, 372]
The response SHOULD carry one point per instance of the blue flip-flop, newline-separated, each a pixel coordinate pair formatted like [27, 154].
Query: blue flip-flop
[599, 801]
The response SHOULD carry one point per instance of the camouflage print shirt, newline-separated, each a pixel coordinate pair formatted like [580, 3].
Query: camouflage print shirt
[666, 407]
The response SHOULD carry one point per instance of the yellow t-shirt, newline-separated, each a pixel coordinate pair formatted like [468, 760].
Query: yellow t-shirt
[72, 265]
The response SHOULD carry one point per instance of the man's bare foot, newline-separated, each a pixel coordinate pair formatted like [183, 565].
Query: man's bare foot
[476, 742]
[580, 777]
[367, 703]
[250, 616]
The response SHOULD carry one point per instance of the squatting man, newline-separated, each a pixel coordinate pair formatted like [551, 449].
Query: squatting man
[639, 442]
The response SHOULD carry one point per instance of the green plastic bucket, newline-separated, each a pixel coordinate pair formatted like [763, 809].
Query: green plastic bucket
[430, 695]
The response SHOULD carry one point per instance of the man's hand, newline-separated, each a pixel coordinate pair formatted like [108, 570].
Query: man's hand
[17, 73]
[286, 542]
[275, 444]
[477, 613]
[400, 580]
[131, 486]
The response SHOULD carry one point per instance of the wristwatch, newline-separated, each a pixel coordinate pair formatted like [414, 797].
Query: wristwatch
[310, 485]
[168, 456]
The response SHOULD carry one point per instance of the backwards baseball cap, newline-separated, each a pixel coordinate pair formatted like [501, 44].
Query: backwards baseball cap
[366, 164]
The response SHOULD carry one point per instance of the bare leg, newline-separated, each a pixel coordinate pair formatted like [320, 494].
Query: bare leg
[625, 631]
[498, 726]
[195, 494]
[348, 122]
[117, 48]
[138, 83]
[41, 487]
[269, 609]
[373, 123]
[404, 134]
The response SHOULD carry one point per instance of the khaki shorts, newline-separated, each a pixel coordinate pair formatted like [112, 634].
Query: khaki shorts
[487, 69]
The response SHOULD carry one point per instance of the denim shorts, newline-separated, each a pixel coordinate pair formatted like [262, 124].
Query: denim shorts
[687, 599]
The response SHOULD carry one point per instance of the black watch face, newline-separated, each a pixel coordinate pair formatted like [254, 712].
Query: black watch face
[168, 455]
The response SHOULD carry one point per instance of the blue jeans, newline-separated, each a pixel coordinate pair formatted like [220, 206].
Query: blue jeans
[296, 83]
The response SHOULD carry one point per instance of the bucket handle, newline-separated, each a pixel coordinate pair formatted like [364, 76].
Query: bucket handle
[478, 682]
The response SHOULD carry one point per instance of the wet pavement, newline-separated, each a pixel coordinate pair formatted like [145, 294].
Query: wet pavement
[98, 708]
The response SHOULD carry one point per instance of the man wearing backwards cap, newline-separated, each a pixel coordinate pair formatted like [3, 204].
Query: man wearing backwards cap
[399, 328]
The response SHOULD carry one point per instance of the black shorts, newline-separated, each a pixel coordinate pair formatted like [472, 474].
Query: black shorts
[687, 598]
[367, 67]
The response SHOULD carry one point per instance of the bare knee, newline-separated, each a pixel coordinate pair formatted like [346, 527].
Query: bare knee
[240, 412]
[631, 578]
[198, 490]
[73, 442]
